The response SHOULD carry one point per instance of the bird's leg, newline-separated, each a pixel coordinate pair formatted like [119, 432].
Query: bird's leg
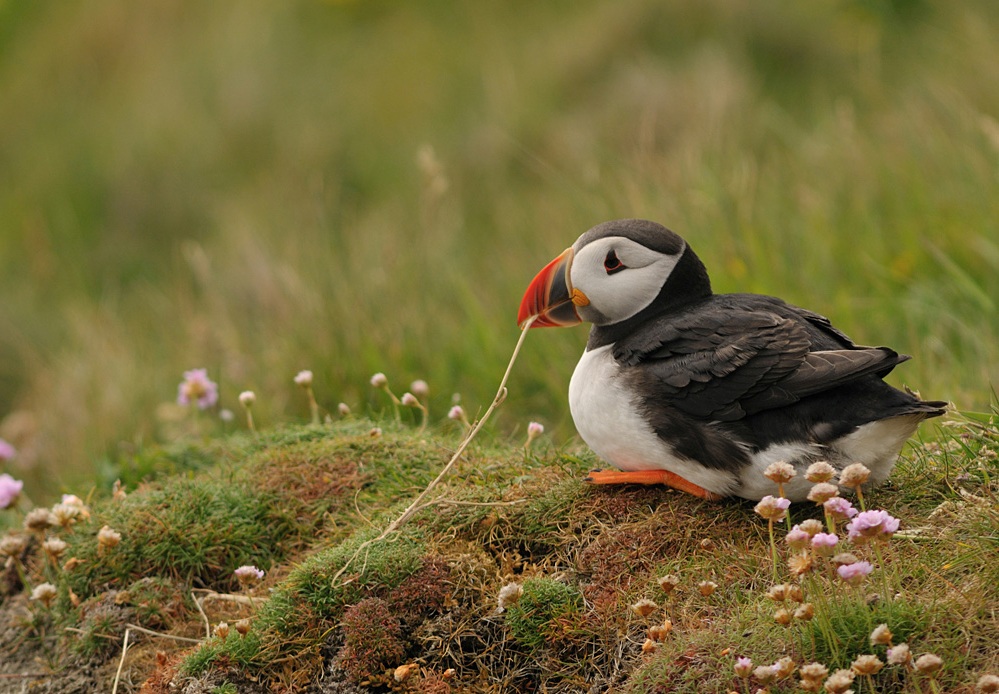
[666, 477]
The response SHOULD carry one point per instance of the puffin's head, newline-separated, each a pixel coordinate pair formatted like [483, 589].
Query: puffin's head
[614, 272]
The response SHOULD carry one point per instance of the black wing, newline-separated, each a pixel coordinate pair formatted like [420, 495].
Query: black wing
[726, 364]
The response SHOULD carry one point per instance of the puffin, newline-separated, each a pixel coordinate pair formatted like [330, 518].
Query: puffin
[701, 391]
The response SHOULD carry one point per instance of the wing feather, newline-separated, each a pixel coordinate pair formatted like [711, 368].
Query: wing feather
[725, 365]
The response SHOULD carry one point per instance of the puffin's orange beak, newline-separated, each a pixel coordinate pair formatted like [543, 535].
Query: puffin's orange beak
[550, 296]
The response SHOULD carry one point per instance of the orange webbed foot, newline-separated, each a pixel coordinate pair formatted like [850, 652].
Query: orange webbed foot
[666, 477]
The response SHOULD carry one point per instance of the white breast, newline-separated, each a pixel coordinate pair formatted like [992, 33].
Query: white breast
[608, 418]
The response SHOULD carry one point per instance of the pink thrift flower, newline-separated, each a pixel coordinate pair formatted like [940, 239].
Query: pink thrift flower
[457, 413]
[198, 389]
[824, 544]
[839, 508]
[247, 575]
[10, 489]
[855, 573]
[797, 538]
[772, 508]
[7, 451]
[743, 667]
[870, 524]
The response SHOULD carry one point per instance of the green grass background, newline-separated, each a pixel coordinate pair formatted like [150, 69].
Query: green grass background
[259, 187]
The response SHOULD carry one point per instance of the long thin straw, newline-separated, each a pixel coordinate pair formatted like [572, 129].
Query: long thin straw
[414, 507]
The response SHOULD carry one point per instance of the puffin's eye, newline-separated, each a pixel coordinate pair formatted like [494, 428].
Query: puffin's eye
[612, 263]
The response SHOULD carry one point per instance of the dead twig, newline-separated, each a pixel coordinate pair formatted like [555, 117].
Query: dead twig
[208, 627]
[121, 661]
[231, 597]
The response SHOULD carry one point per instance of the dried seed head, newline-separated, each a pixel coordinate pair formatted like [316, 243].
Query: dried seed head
[784, 668]
[820, 471]
[649, 646]
[899, 655]
[221, 630]
[107, 538]
[810, 685]
[783, 617]
[644, 607]
[343, 408]
[813, 671]
[800, 564]
[54, 547]
[39, 520]
[66, 514]
[242, 627]
[805, 612]
[668, 583]
[822, 492]
[44, 593]
[988, 683]
[659, 632]
[867, 665]
[706, 588]
[928, 663]
[881, 636]
[778, 593]
[509, 595]
[403, 672]
[795, 593]
[765, 674]
[854, 475]
[779, 472]
[839, 681]
[12, 545]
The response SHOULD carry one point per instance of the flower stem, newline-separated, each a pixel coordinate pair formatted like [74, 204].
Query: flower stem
[313, 405]
[773, 548]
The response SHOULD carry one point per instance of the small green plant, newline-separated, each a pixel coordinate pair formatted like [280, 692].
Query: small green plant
[545, 605]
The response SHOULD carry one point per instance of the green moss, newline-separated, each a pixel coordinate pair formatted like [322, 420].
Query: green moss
[378, 567]
[533, 620]
[309, 601]
[187, 530]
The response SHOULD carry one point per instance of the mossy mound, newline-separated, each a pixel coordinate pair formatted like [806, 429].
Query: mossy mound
[342, 611]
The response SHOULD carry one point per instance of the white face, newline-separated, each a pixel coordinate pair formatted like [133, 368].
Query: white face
[619, 277]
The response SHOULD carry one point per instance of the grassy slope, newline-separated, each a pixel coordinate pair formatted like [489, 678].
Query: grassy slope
[261, 187]
[299, 502]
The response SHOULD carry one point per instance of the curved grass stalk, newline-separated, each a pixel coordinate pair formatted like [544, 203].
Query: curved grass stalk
[418, 502]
